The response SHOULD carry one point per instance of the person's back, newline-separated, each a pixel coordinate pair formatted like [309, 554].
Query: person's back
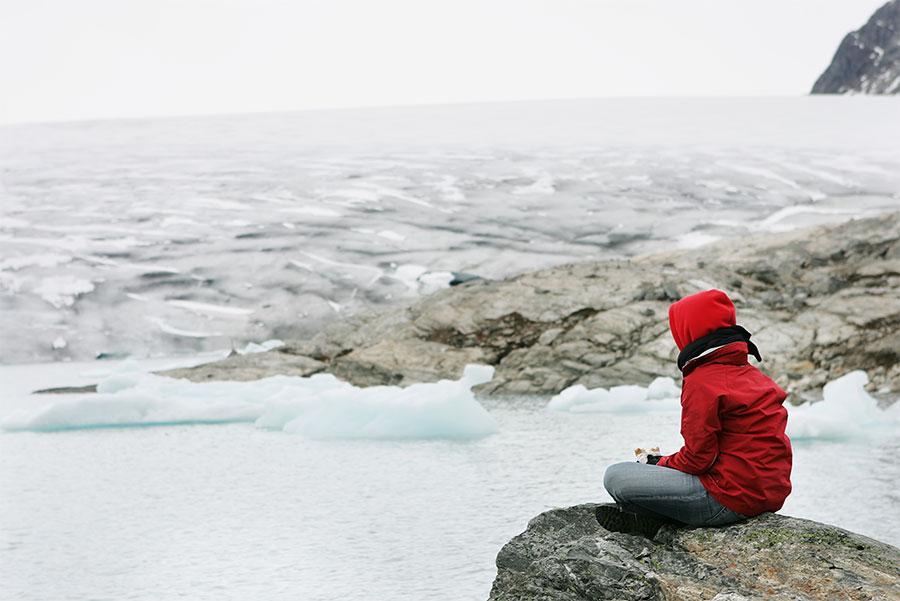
[736, 458]
[741, 454]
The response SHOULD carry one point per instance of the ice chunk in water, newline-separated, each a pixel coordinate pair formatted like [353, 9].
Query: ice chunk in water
[320, 406]
[847, 411]
[663, 388]
[661, 395]
[445, 409]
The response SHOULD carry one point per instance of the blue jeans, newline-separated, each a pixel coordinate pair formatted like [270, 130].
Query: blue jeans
[665, 493]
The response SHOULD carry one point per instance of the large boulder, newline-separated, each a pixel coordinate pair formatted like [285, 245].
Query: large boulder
[564, 555]
[820, 302]
[868, 59]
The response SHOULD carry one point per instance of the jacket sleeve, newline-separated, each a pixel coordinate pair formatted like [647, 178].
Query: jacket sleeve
[700, 429]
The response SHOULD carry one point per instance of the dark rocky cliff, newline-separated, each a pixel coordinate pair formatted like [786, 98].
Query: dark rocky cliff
[868, 60]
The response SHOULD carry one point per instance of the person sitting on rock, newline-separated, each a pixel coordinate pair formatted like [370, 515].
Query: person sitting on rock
[736, 458]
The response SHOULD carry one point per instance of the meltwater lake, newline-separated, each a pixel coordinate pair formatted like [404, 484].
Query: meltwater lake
[100, 505]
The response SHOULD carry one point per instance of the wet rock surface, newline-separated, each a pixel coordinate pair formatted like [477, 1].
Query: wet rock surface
[820, 302]
[565, 555]
[868, 59]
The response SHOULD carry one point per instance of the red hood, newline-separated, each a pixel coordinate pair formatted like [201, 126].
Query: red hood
[699, 314]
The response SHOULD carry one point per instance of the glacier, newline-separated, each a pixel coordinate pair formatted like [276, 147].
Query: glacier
[154, 237]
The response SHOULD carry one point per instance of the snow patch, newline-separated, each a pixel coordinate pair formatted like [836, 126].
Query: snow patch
[61, 291]
[261, 347]
[695, 239]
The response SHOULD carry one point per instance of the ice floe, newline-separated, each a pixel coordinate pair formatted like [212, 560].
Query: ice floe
[662, 395]
[320, 406]
[847, 411]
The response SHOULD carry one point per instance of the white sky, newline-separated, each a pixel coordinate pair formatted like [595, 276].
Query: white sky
[79, 59]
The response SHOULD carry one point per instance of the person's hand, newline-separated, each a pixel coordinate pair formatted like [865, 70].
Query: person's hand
[653, 459]
[643, 455]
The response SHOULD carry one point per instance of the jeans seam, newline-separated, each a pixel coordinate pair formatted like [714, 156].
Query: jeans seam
[666, 498]
[717, 515]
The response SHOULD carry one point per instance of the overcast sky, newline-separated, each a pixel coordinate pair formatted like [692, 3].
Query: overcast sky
[82, 59]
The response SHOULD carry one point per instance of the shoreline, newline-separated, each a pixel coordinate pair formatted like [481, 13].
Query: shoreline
[820, 302]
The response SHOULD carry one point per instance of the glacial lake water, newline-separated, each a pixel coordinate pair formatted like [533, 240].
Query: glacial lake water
[232, 511]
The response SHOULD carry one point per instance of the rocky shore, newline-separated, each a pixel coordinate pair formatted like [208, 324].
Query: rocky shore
[820, 302]
[565, 555]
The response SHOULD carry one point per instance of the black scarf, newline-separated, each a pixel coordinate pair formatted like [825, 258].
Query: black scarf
[719, 337]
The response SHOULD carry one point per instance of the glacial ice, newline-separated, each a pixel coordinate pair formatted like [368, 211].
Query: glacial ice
[445, 409]
[261, 347]
[61, 291]
[226, 247]
[319, 406]
[661, 395]
[847, 411]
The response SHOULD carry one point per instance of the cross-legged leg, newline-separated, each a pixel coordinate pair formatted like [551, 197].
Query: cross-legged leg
[665, 493]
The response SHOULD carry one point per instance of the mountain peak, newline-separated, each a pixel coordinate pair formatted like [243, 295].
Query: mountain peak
[868, 59]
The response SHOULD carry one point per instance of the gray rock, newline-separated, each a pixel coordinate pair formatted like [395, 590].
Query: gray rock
[868, 59]
[604, 323]
[565, 555]
[250, 367]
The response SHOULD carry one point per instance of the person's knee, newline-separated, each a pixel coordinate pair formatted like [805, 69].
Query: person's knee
[615, 479]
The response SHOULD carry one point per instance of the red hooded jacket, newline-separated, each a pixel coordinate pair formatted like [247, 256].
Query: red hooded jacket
[732, 416]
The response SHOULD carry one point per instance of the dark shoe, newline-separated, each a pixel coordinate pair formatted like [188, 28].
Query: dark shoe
[615, 519]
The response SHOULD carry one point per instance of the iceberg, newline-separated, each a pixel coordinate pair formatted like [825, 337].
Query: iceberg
[847, 411]
[319, 406]
[661, 395]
